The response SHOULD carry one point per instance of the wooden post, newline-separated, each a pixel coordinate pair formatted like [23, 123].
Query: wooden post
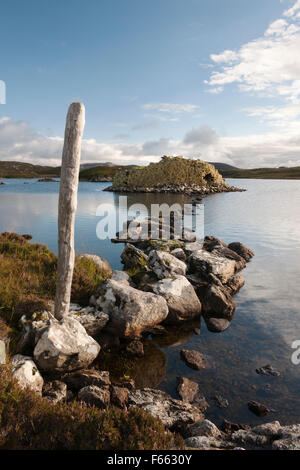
[67, 207]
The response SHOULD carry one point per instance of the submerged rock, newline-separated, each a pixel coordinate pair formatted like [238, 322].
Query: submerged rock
[65, 345]
[187, 389]
[25, 371]
[258, 408]
[181, 298]
[164, 264]
[217, 325]
[241, 250]
[175, 414]
[195, 359]
[130, 311]
[268, 370]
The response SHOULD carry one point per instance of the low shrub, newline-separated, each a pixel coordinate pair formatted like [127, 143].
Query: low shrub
[29, 422]
[28, 273]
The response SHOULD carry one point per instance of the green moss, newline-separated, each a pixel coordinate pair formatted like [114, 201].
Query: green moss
[170, 170]
[29, 422]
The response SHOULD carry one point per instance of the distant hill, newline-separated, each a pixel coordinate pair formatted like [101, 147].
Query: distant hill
[26, 170]
[222, 166]
[86, 166]
[101, 173]
[264, 173]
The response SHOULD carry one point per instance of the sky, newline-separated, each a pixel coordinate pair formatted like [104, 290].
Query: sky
[212, 79]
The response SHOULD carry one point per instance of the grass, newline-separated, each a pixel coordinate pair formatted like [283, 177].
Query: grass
[29, 422]
[28, 274]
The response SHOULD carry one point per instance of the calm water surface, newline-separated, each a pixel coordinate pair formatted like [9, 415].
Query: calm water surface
[267, 318]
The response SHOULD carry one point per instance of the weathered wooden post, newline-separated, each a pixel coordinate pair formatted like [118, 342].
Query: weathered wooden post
[67, 207]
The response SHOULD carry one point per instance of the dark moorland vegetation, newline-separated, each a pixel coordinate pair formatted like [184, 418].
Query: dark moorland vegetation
[28, 421]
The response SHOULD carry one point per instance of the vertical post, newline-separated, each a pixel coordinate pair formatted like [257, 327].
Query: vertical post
[67, 207]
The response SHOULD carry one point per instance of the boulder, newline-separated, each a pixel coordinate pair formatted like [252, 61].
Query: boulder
[241, 250]
[95, 396]
[195, 359]
[120, 276]
[206, 443]
[216, 302]
[25, 371]
[2, 352]
[191, 247]
[65, 345]
[119, 396]
[228, 427]
[101, 263]
[203, 428]
[217, 325]
[181, 298]
[211, 242]
[179, 254]
[164, 264]
[174, 414]
[83, 378]
[131, 311]
[55, 391]
[133, 258]
[91, 319]
[235, 284]
[287, 438]
[187, 389]
[225, 252]
[204, 263]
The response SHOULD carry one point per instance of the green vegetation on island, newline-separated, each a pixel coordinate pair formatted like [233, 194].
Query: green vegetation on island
[170, 174]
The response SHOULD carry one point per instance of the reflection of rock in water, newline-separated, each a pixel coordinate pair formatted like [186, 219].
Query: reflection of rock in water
[147, 371]
[177, 335]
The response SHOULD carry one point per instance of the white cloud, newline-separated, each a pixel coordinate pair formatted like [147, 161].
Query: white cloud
[268, 64]
[19, 142]
[294, 10]
[170, 107]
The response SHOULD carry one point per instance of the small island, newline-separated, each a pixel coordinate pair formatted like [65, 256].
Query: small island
[172, 175]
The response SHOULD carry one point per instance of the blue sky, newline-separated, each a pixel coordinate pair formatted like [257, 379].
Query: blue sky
[154, 78]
